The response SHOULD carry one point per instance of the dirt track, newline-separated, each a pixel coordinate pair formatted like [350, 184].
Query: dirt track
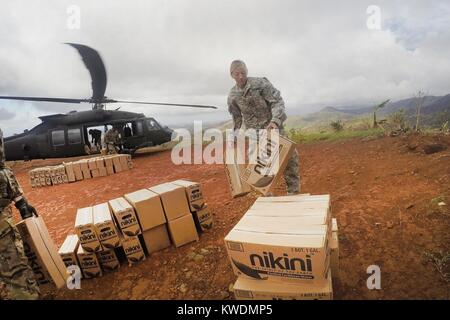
[381, 195]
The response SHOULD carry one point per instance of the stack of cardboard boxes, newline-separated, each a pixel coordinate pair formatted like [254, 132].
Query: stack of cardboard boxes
[147, 220]
[79, 170]
[48, 176]
[180, 221]
[150, 212]
[282, 248]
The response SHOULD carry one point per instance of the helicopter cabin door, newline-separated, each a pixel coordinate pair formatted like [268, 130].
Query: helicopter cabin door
[66, 142]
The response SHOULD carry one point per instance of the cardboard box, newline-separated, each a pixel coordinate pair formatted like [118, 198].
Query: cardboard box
[248, 289]
[89, 263]
[105, 227]
[77, 171]
[42, 254]
[194, 194]
[174, 200]
[126, 217]
[68, 250]
[102, 172]
[264, 175]
[95, 173]
[203, 219]
[156, 238]
[273, 248]
[133, 250]
[108, 260]
[334, 225]
[148, 207]
[117, 164]
[304, 197]
[100, 163]
[84, 165]
[233, 172]
[334, 259]
[84, 226]
[86, 174]
[92, 165]
[124, 162]
[70, 172]
[108, 161]
[182, 230]
[109, 170]
[304, 206]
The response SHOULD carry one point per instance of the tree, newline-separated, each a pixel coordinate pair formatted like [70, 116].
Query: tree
[375, 109]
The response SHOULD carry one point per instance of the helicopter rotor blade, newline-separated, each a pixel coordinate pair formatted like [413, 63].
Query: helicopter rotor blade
[44, 99]
[94, 63]
[162, 104]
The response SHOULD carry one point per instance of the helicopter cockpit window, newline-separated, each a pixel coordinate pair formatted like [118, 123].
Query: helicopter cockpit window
[74, 136]
[152, 124]
[58, 138]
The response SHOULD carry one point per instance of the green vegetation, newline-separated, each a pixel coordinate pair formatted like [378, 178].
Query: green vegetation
[441, 262]
[300, 136]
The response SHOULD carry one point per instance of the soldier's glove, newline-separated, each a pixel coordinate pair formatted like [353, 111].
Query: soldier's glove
[26, 210]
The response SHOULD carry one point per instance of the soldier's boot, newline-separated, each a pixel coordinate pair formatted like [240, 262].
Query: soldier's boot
[17, 280]
[291, 175]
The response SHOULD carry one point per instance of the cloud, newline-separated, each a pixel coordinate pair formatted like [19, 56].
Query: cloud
[6, 115]
[316, 54]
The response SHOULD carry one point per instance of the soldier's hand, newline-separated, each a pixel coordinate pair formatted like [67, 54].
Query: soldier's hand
[26, 210]
[272, 125]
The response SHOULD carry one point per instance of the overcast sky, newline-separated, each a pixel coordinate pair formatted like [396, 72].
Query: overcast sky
[316, 54]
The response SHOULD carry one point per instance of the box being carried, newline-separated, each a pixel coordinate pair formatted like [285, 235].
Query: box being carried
[247, 289]
[233, 171]
[42, 254]
[272, 155]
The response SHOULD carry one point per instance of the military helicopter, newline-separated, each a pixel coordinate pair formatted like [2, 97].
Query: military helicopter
[67, 135]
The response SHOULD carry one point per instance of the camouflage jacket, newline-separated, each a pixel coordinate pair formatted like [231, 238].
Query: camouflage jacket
[257, 104]
[112, 136]
[10, 189]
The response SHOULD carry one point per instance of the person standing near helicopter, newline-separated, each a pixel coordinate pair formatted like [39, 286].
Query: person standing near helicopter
[17, 279]
[112, 140]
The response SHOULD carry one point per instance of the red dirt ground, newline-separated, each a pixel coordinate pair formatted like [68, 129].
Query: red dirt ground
[381, 193]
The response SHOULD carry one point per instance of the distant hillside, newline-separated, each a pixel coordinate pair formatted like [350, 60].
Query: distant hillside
[435, 111]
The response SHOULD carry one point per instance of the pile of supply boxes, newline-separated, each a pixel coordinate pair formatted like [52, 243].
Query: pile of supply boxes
[136, 224]
[80, 170]
[285, 248]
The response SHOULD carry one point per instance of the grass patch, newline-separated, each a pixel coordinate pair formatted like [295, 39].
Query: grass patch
[308, 137]
[441, 262]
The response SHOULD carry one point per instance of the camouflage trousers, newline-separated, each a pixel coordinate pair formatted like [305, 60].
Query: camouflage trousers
[291, 175]
[111, 148]
[17, 280]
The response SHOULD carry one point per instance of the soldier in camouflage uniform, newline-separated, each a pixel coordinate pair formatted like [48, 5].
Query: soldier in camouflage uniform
[16, 277]
[112, 140]
[257, 103]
